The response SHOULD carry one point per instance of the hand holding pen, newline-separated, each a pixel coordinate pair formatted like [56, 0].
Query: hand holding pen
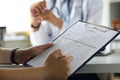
[40, 13]
[38, 8]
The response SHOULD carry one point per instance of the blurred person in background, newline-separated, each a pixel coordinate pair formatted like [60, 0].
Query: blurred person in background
[52, 17]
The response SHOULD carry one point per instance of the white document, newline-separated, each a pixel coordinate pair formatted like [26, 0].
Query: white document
[81, 40]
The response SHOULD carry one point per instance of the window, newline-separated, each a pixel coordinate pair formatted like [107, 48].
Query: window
[14, 14]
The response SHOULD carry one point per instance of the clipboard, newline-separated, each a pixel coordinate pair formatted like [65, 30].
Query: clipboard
[82, 40]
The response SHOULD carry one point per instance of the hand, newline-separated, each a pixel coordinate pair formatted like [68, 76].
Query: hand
[39, 7]
[39, 49]
[58, 68]
[40, 13]
[24, 55]
[50, 17]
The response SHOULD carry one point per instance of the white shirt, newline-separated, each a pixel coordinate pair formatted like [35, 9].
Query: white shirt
[91, 11]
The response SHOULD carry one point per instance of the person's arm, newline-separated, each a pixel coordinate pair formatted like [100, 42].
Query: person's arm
[50, 17]
[5, 55]
[44, 31]
[38, 7]
[54, 69]
[40, 32]
[22, 55]
[39, 13]
[22, 74]
[35, 25]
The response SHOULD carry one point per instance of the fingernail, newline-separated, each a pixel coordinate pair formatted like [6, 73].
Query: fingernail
[41, 18]
[45, 8]
[38, 20]
[58, 56]
[33, 11]
[43, 11]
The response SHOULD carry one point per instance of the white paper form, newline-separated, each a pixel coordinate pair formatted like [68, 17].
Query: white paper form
[81, 41]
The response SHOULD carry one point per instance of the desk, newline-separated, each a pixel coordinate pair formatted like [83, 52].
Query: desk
[103, 64]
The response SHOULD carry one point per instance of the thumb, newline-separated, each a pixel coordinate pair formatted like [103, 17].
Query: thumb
[33, 11]
[53, 56]
[46, 46]
[44, 1]
[56, 54]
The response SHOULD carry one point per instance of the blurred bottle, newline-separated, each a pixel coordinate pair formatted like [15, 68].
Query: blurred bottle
[115, 24]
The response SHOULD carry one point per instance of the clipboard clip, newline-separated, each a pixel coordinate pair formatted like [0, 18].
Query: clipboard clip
[101, 28]
[97, 27]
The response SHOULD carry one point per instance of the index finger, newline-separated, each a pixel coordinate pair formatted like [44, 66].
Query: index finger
[56, 54]
[42, 5]
[46, 46]
[67, 59]
[44, 1]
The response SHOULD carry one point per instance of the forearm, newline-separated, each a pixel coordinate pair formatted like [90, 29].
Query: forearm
[58, 22]
[23, 55]
[22, 74]
[35, 25]
[5, 55]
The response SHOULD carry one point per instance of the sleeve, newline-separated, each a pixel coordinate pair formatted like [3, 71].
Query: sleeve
[95, 10]
[41, 36]
[64, 27]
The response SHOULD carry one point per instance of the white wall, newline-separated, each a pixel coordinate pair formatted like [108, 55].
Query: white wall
[15, 15]
[106, 14]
